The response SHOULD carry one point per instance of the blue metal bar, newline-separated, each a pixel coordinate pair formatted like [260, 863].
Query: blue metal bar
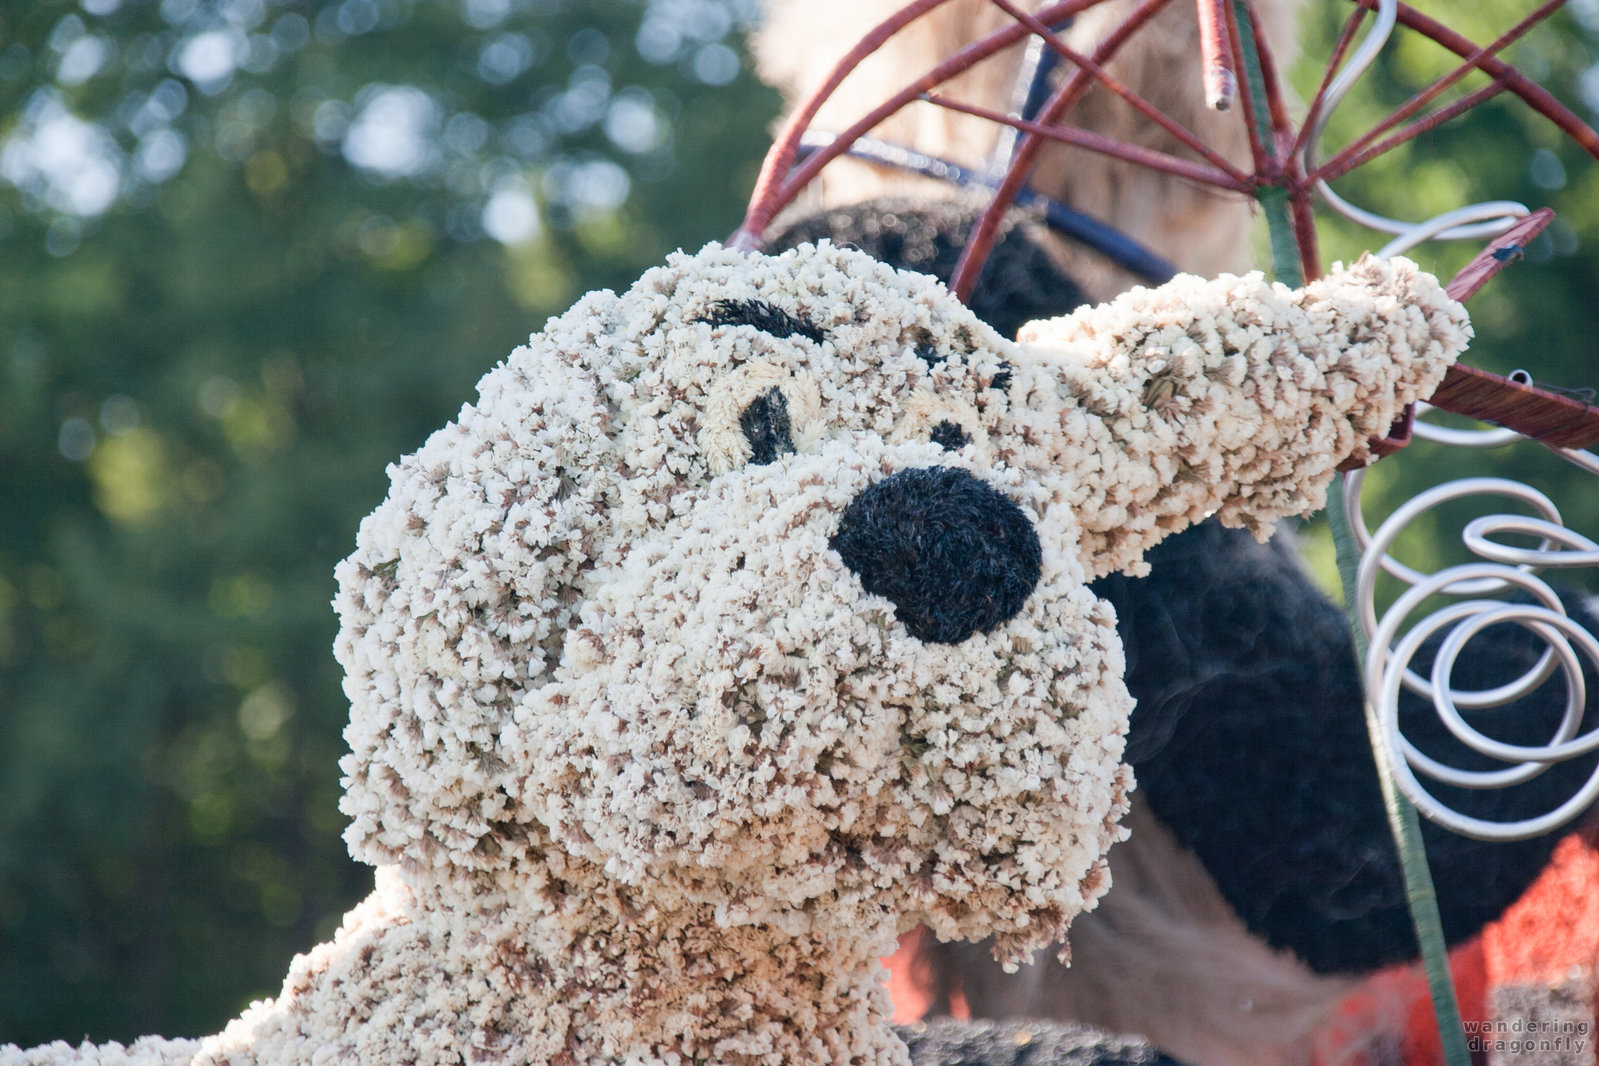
[1085, 229]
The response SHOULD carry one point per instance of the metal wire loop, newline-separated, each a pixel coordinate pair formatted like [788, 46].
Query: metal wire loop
[1504, 568]
[1472, 222]
[1575, 549]
[1461, 438]
[1374, 547]
[1385, 675]
[1557, 629]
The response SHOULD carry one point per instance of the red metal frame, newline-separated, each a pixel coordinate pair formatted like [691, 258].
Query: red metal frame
[1555, 419]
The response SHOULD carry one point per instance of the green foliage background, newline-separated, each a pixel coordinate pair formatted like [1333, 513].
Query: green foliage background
[1542, 314]
[204, 373]
[244, 347]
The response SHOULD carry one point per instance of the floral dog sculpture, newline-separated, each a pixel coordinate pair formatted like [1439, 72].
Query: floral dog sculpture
[742, 624]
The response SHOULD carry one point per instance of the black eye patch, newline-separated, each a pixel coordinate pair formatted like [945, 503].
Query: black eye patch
[948, 436]
[766, 426]
[765, 317]
[925, 349]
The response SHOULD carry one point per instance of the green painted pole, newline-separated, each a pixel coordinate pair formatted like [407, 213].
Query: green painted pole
[1402, 818]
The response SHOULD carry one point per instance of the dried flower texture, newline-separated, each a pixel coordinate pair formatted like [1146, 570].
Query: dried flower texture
[1236, 396]
[649, 776]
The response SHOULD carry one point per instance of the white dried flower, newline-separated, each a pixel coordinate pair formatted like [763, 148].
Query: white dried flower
[649, 774]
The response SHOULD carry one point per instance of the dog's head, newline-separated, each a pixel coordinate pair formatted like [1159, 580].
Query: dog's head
[754, 583]
[763, 586]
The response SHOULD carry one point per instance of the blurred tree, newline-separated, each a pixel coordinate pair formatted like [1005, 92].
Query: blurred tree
[254, 251]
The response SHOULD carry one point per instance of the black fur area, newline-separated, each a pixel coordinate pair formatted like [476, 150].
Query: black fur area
[768, 318]
[955, 555]
[949, 436]
[766, 427]
[1249, 738]
[1249, 743]
[1019, 283]
[952, 1043]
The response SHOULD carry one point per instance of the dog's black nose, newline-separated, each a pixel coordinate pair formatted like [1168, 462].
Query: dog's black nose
[954, 554]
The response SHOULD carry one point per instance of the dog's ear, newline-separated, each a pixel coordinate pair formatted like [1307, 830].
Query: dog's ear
[1232, 396]
[455, 602]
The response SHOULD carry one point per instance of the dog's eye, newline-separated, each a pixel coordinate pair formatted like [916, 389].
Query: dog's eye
[935, 353]
[925, 347]
[945, 346]
[947, 421]
[766, 426]
[757, 413]
[949, 436]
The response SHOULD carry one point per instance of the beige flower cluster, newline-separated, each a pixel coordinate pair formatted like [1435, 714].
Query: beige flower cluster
[1236, 396]
[648, 774]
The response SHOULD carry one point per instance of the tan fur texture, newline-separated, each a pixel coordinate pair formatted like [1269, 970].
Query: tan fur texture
[1202, 230]
[1165, 957]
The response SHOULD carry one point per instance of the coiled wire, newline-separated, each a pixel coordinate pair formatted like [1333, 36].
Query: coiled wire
[1503, 568]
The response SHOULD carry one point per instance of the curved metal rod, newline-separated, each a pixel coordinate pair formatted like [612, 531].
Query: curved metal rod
[1552, 626]
[1575, 549]
[1586, 460]
[1497, 437]
[1492, 217]
[1374, 546]
[1468, 223]
[1385, 675]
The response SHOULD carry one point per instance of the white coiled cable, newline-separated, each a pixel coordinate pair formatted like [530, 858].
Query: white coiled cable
[1473, 222]
[1503, 567]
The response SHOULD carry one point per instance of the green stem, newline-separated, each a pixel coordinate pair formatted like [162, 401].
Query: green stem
[1284, 247]
[1273, 199]
[1402, 818]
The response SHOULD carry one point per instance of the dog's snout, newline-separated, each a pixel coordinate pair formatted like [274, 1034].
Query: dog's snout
[954, 554]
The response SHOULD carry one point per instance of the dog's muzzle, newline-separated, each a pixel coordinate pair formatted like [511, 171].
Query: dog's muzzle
[955, 555]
